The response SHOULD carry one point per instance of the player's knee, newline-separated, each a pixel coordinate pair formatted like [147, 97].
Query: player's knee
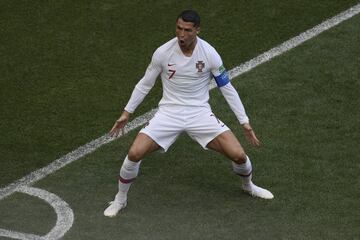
[134, 155]
[239, 157]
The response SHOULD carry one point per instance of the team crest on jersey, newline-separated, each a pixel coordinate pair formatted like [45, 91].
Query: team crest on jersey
[200, 65]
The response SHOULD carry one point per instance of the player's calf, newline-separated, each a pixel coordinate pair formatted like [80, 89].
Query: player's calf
[128, 173]
[244, 170]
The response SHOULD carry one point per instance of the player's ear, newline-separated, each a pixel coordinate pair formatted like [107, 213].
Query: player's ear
[198, 30]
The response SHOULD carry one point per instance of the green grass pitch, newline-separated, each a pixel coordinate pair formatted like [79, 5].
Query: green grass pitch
[67, 69]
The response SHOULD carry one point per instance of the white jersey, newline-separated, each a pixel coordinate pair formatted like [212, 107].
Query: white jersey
[185, 80]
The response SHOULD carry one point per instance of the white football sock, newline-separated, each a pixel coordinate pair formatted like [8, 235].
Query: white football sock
[244, 170]
[128, 173]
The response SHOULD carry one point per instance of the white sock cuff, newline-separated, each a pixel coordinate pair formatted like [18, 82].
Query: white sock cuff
[243, 169]
[129, 171]
[128, 164]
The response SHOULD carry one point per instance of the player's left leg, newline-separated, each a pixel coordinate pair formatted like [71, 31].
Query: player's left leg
[227, 144]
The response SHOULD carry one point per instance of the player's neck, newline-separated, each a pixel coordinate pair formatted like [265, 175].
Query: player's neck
[188, 50]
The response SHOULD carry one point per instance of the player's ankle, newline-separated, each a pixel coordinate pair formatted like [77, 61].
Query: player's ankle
[121, 196]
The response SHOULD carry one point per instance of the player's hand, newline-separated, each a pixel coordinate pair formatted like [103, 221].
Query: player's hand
[250, 134]
[120, 124]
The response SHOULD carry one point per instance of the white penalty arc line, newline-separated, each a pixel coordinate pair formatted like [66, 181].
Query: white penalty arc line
[235, 72]
[65, 216]
[80, 152]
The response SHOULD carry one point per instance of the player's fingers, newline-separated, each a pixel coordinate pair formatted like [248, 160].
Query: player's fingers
[118, 126]
[252, 138]
[256, 141]
[114, 132]
[114, 127]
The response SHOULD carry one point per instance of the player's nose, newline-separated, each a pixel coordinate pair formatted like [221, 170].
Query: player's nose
[181, 33]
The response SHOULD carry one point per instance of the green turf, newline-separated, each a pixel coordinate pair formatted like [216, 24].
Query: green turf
[68, 68]
[303, 106]
[24, 213]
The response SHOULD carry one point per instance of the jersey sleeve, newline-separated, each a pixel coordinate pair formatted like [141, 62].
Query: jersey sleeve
[218, 70]
[233, 99]
[227, 89]
[144, 86]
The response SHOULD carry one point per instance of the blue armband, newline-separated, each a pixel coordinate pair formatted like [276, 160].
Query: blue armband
[222, 79]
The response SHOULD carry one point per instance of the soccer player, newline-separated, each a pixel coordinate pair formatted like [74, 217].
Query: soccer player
[186, 65]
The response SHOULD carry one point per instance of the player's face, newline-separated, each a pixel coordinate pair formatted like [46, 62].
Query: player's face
[186, 33]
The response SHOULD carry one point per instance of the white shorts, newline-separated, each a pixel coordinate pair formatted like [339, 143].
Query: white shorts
[169, 122]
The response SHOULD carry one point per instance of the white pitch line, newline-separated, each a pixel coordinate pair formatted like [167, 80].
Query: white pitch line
[65, 216]
[235, 72]
[19, 235]
[71, 157]
[292, 43]
[296, 41]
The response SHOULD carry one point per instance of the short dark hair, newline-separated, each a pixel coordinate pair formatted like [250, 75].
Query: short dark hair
[190, 16]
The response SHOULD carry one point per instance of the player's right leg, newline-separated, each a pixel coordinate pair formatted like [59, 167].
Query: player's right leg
[160, 133]
[142, 146]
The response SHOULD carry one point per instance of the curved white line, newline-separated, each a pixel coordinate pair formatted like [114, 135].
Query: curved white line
[65, 216]
[18, 235]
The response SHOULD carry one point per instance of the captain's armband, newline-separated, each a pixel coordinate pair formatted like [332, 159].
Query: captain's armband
[222, 79]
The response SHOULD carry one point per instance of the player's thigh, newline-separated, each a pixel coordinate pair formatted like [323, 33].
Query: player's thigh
[164, 128]
[142, 146]
[204, 127]
[227, 144]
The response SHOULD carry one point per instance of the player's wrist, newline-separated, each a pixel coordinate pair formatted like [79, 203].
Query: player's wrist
[126, 114]
[247, 127]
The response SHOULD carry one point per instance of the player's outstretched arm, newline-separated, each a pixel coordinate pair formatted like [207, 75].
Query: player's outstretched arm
[234, 101]
[140, 91]
[120, 124]
[231, 96]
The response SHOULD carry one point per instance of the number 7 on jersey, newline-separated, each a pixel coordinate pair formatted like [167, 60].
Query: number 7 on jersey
[172, 72]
